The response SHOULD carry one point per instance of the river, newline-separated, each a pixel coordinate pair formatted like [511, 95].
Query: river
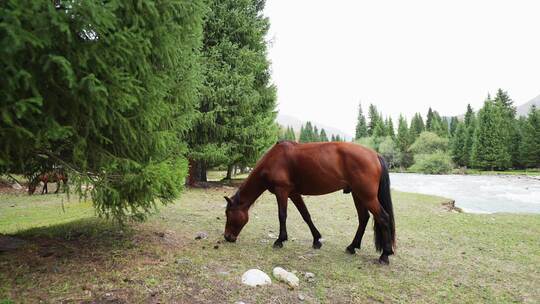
[476, 193]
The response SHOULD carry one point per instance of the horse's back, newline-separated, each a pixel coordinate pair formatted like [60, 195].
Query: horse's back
[319, 168]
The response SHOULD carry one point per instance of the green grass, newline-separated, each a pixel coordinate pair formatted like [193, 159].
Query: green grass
[442, 256]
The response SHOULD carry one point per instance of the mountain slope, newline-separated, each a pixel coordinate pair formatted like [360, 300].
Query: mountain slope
[288, 120]
[523, 109]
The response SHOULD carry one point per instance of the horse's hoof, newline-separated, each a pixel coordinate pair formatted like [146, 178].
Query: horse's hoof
[350, 249]
[278, 244]
[383, 260]
[317, 245]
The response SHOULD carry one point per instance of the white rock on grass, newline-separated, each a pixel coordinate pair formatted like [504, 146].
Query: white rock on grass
[255, 277]
[288, 277]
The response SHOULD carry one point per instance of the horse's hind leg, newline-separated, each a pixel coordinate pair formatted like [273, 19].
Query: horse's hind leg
[363, 218]
[44, 190]
[301, 206]
[383, 239]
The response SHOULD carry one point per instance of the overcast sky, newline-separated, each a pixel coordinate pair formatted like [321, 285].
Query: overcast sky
[403, 56]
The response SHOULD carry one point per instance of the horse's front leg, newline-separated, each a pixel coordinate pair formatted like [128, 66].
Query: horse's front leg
[282, 196]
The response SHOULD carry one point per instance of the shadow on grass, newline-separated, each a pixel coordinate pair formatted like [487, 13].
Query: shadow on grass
[76, 239]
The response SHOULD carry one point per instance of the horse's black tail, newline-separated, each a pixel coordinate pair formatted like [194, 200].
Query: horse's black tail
[385, 200]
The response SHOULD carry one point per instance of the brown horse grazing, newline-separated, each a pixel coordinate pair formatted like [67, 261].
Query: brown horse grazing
[289, 170]
[48, 177]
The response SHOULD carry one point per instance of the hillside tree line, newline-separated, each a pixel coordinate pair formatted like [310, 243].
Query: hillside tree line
[494, 138]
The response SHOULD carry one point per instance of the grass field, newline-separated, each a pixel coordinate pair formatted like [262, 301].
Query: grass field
[443, 256]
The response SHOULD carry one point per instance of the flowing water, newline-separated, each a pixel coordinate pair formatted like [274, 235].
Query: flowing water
[476, 193]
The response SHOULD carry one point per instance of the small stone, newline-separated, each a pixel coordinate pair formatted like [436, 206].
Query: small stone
[271, 235]
[288, 277]
[301, 297]
[309, 275]
[239, 302]
[201, 235]
[255, 277]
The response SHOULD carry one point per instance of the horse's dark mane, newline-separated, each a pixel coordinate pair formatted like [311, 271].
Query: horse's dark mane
[283, 141]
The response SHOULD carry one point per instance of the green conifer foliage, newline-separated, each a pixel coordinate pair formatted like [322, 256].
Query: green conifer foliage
[509, 125]
[459, 155]
[417, 126]
[453, 125]
[530, 147]
[323, 136]
[106, 90]
[470, 127]
[403, 142]
[490, 149]
[237, 103]
[390, 128]
[361, 125]
[374, 119]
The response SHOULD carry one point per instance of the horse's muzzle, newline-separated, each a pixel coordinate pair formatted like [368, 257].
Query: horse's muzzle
[229, 238]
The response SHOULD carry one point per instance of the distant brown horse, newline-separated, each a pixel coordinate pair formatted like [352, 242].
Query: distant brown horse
[48, 177]
[289, 170]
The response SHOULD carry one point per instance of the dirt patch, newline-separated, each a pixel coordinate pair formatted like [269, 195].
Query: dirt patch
[7, 187]
[451, 206]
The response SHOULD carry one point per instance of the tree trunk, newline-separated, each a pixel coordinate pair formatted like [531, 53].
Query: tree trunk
[230, 169]
[197, 172]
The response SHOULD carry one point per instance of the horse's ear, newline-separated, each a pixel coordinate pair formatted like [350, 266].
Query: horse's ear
[228, 200]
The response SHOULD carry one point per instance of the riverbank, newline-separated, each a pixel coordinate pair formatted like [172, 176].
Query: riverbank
[523, 172]
[476, 193]
[442, 257]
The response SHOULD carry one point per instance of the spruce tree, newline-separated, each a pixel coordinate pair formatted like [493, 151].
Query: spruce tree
[374, 119]
[458, 151]
[361, 125]
[512, 138]
[308, 129]
[291, 136]
[390, 128]
[530, 146]
[316, 135]
[323, 136]
[403, 142]
[333, 138]
[237, 102]
[380, 130]
[453, 125]
[490, 149]
[429, 120]
[106, 91]
[417, 126]
[470, 127]
[302, 136]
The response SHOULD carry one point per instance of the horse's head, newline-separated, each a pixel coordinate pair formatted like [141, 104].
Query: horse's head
[237, 217]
